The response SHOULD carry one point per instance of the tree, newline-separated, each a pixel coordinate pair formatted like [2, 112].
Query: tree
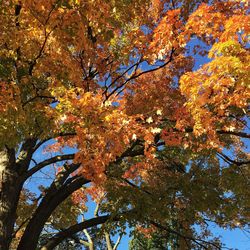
[154, 241]
[108, 89]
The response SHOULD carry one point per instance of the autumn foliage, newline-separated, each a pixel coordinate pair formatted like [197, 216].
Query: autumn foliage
[142, 106]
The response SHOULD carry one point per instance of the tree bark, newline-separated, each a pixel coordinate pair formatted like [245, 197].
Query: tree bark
[10, 188]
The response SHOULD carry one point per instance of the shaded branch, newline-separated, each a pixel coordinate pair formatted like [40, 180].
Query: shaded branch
[230, 161]
[121, 75]
[135, 186]
[134, 75]
[236, 133]
[55, 195]
[40, 143]
[61, 236]
[70, 231]
[240, 134]
[46, 36]
[18, 8]
[199, 242]
[47, 162]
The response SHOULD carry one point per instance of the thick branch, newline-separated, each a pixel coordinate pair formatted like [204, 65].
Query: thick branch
[58, 238]
[47, 162]
[56, 194]
[69, 232]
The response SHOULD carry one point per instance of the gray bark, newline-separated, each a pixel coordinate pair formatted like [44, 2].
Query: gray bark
[10, 188]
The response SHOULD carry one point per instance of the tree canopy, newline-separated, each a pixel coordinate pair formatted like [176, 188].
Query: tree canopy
[112, 94]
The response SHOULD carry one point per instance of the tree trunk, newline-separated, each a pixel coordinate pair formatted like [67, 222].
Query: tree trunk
[10, 188]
